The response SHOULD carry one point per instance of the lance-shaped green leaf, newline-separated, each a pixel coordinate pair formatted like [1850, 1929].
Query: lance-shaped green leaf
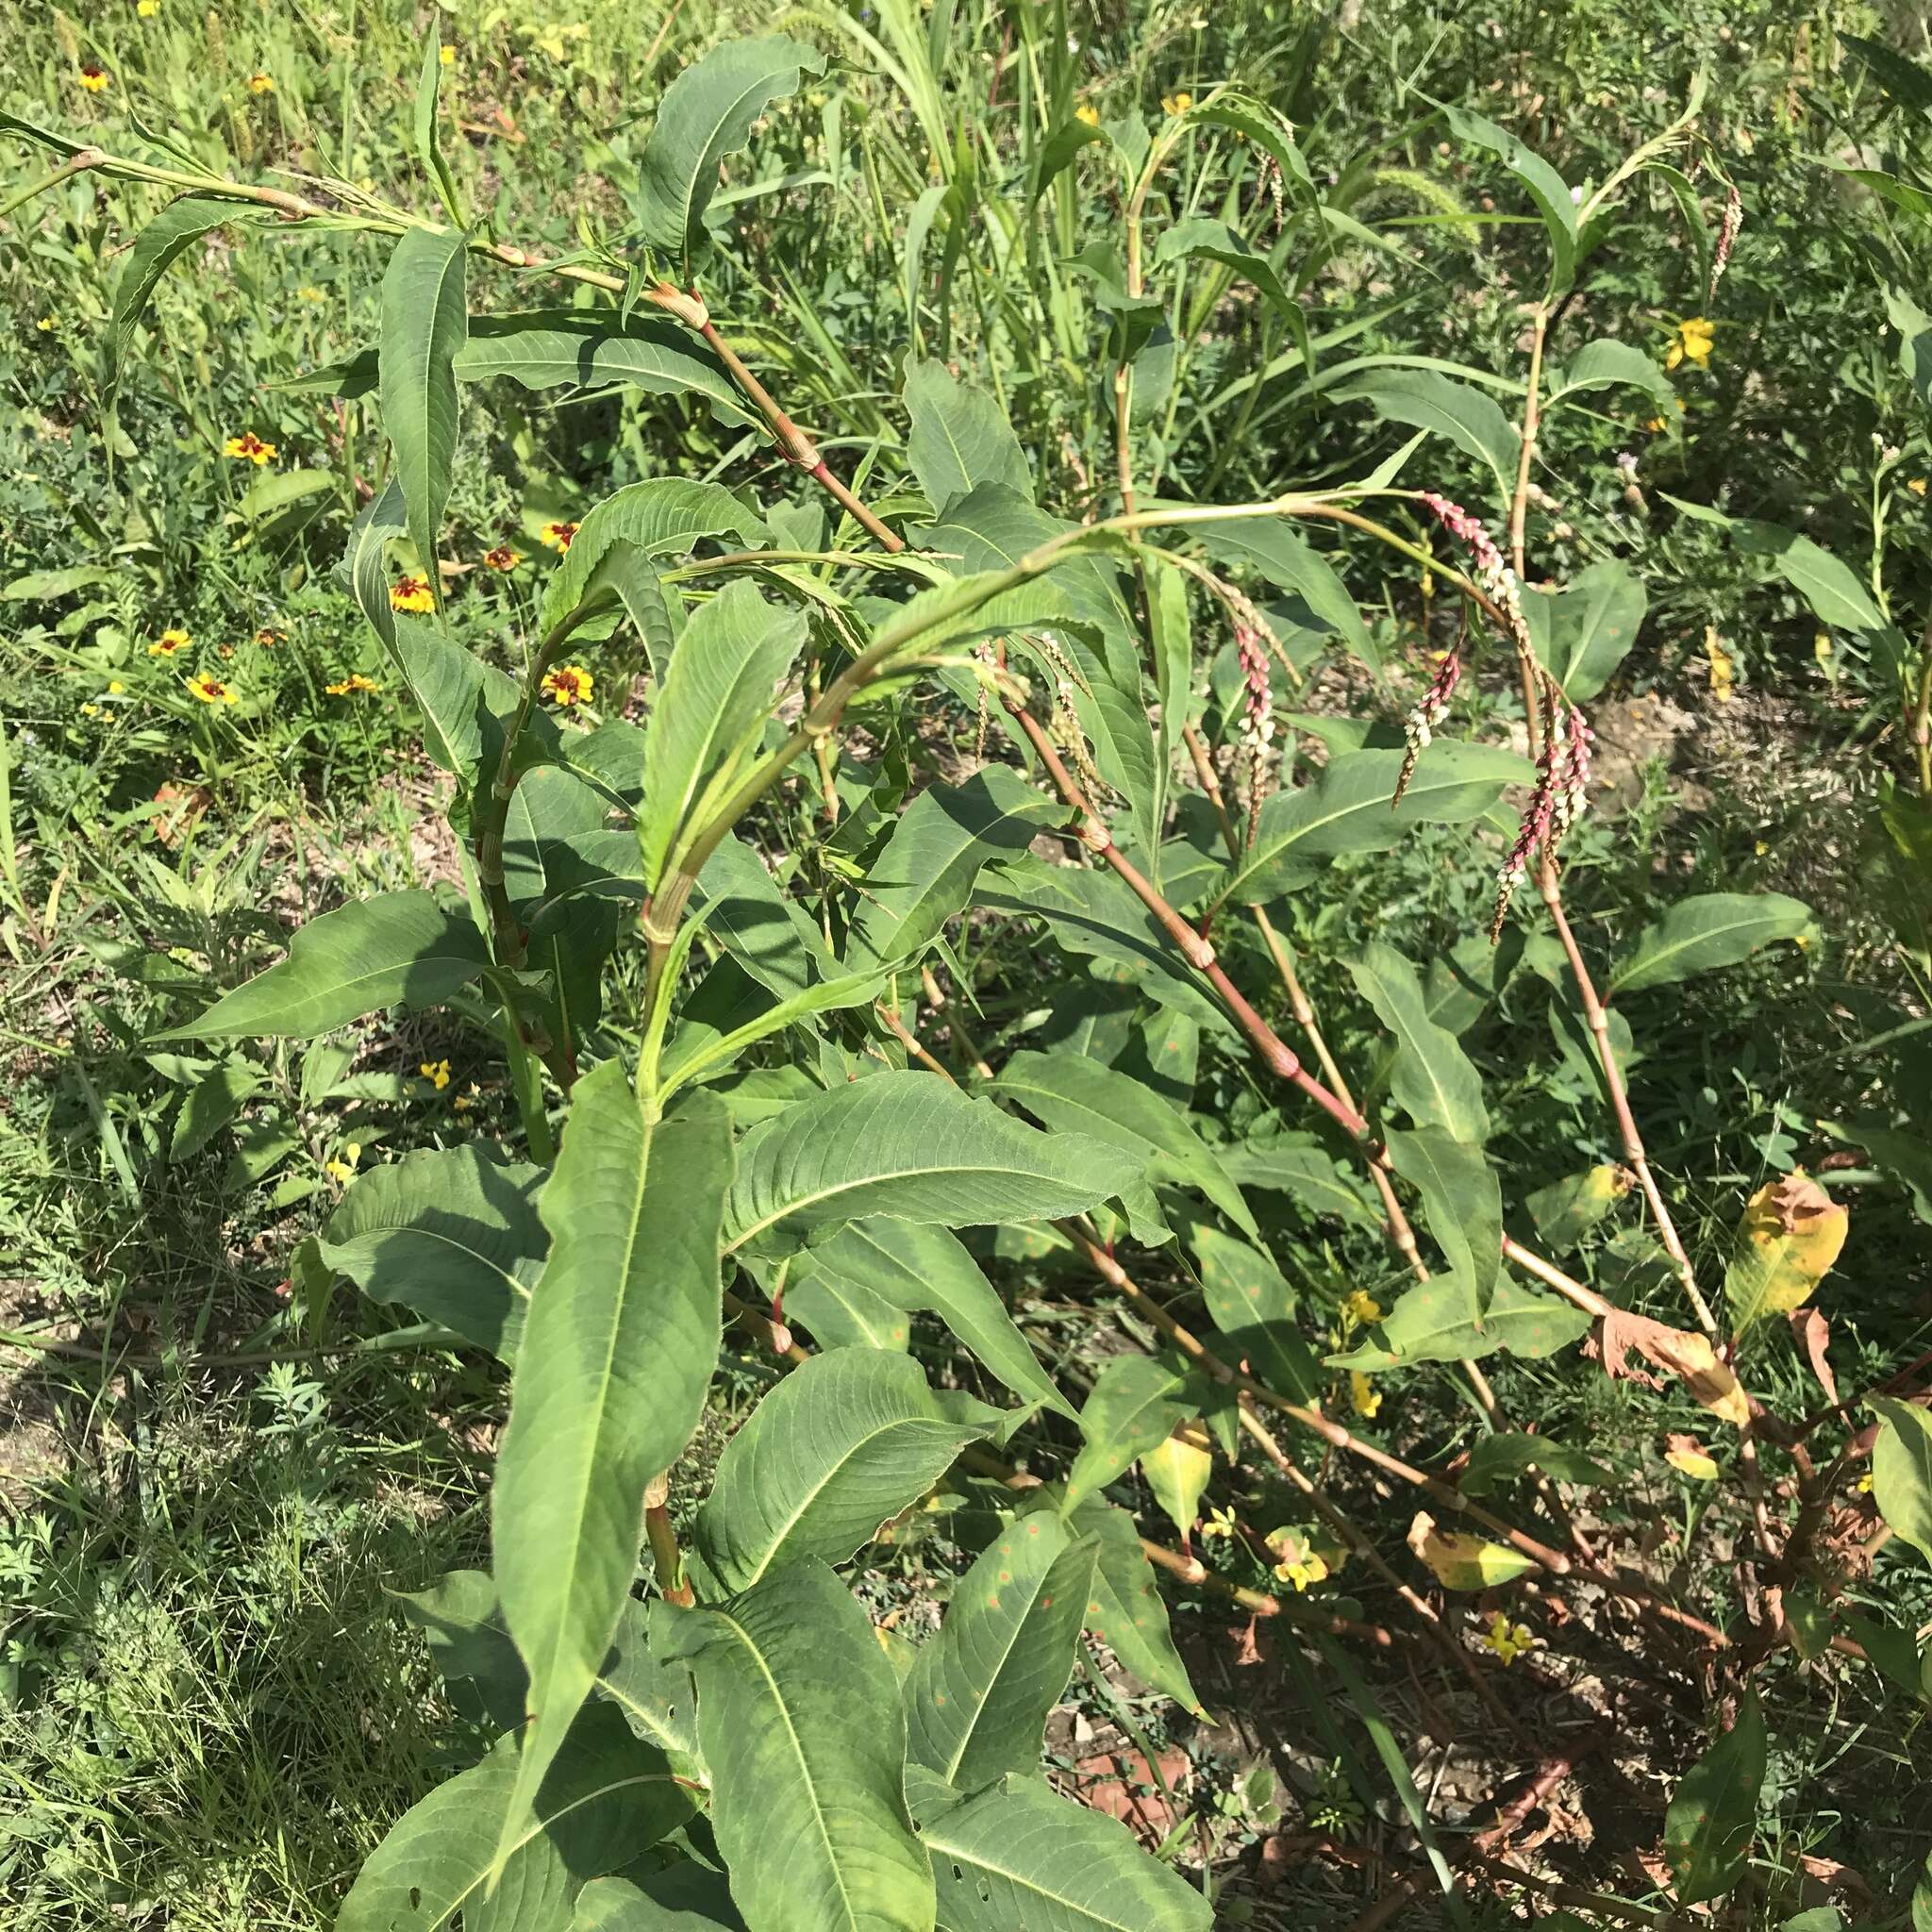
[580, 348]
[1902, 1471]
[1018, 1854]
[1427, 399]
[706, 113]
[363, 570]
[1071, 1093]
[960, 438]
[842, 1311]
[448, 1232]
[926, 872]
[1584, 632]
[716, 697]
[396, 949]
[609, 1797]
[747, 912]
[1201, 236]
[1094, 913]
[1713, 1812]
[172, 232]
[1125, 1610]
[1567, 1209]
[1250, 1304]
[1433, 1080]
[1506, 1453]
[1306, 1174]
[1431, 1323]
[1608, 364]
[1135, 1403]
[424, 319]
[1286, 559]
[805, 1739]
[1462, 1203]
[617, 1351]
[1547, 189]
[429, 135]
[917, 1268]
[683, 1897]
[915, 1148]
[662, 517]
[1700, 935]
[842, 1445]
[1170, 636]
[977, 1700]
[1347, 809]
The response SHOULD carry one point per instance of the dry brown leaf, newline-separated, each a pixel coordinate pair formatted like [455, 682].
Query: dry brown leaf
[1812, 1333]
[1690, 1357]
[1791, 1233]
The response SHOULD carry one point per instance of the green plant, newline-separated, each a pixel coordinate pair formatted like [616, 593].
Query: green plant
[743, 1086]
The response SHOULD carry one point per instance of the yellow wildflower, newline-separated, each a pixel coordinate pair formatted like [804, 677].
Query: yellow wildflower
[1296, 1562]
[115, 687]
[1863, 1486]
[465, 1100]
[91, 78]
[310, 292]
[210, 691]
[1091, 116]
[569, 684]
[147, 8]
[1723, 667]
[1691, 343]
[350, 685]
[502, 558]
[1508, 1641]
[436, 1073]
[1220, 1523]
[90, 710]
[169, 642]
[1362, 1308]
[1655, 425]
[1177, 103]
[557, 536]
[447, 55]
[249, 448]
[260, 84]
[410, 593]
[45, 325]
[1363, 1395]
[344, 1170]
[1916, 485]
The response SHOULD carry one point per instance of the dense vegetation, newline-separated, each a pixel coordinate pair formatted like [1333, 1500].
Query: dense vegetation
[966, 966]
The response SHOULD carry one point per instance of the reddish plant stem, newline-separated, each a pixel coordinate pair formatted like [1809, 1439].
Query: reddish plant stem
[1190, 1570]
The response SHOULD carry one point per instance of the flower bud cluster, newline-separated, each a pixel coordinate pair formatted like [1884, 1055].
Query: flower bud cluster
[1561, 795]
[1258, 718]
[1418, 727]
[1727, 232]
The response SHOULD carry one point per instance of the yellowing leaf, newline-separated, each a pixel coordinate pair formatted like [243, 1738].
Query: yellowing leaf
[1464, 1562]
[1791, 1233]
[1686, 1356]
[1687, 1454]
[1177, 1473]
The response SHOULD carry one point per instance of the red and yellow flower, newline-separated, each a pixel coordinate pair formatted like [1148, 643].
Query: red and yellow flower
[568, 684]
[557, 536]
[210, 691]
[410, 593]
[169, 642]
[93, 77]
[503, 558]
[351, 685]
[249, 448]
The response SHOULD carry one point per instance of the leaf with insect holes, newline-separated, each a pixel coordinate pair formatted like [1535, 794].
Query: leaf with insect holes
[1902, 1471]
[609, 1797]
[842, 1445]
[1713, 1812]
[1135, 1403]
[396, 949]
[706, 113]
[425, 319]
[618, 1350]
[977, 1700]
[1701, 934]
[805, 1743]
[1462, 1562]
[1019, 1855]
[1790, 1235]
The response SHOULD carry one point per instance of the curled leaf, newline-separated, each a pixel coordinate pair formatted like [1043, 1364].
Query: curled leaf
[1464, 1562]
[1687, 1454]
[1690, 1357]
[1812, 1333]
[1790, 1235]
